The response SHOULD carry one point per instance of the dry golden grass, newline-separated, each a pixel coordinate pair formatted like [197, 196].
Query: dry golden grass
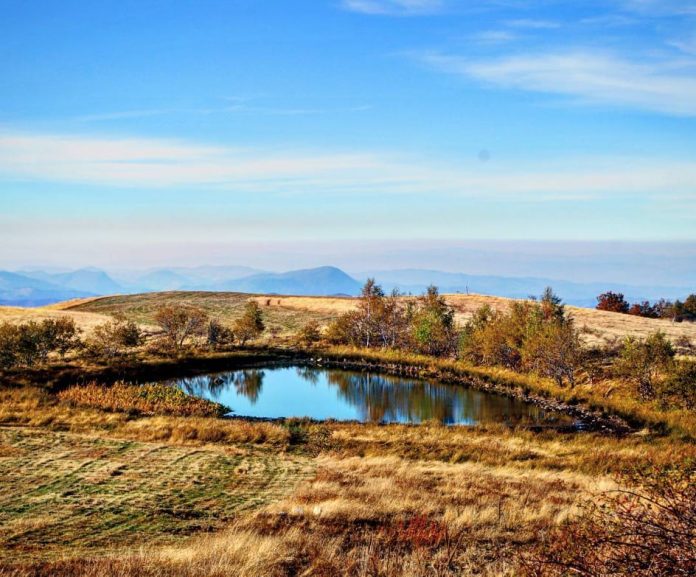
[83, 319]
[286, 314]
[381, 500]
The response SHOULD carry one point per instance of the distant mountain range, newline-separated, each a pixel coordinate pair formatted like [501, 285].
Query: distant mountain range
[39, 287]
[21, 290]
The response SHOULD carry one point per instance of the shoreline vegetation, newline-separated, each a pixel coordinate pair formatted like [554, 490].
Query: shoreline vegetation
[124, 480]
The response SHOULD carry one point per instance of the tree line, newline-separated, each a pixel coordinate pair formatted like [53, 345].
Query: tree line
[534, 336]
[677, 311]
[31, 343]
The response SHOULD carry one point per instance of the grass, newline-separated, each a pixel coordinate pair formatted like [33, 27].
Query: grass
[287, 314]
[91, 492]
[150, 399]
[88, 492]
[67, 494]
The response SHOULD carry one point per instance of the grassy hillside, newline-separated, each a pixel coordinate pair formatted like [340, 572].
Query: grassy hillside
[286, 314]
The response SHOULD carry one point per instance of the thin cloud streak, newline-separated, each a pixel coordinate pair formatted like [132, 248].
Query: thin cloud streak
[394, 7]
[667, 87]
[151, 163]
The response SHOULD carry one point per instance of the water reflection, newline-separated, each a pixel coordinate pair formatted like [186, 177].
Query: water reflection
[343, 395]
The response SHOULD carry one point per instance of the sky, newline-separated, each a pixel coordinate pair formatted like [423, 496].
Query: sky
[283, 133]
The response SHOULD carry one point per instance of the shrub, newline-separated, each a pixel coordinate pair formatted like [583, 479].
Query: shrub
[643, 361]
[250, 325]
[432, 325]
[309, 334]
[534, 336]
[32, 342]
[218, 335]
[679, 388]
[113, 338]
[647, 528]
[9, 340]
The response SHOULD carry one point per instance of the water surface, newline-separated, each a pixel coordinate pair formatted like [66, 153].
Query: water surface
[322, 394]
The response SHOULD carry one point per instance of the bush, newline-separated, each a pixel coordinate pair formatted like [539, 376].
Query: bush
[218, 335]
[32, 342]
[9, 340]
[644, 361]
[531, 336]
[113, 338]
[679, 388]
[612, 302]
[309, 334]
[645, 529]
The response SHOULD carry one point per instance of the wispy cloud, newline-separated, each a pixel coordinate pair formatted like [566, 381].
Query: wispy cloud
[533, 24]
[394, 7]
[494, 37]
[667, 86]
[151, 163]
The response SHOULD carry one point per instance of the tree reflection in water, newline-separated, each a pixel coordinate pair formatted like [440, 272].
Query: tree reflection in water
[375, 397]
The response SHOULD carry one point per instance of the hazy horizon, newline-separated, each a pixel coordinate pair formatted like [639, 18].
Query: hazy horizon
[665, 264]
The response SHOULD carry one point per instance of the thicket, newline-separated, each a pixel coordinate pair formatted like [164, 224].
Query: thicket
[30, 343]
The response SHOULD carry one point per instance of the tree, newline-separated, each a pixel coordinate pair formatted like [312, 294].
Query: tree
[644, 309]
[553, 350]
[250, 325]
[643, 361]
[612, 302]
[432, 324]
[181, 323]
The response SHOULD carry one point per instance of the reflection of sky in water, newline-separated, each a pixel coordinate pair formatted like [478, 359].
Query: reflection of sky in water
[347, 395]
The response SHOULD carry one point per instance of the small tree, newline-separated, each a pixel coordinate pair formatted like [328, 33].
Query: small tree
[644, 360]
[612, 302]
[554, 351]
[250, 325]
[113, 338]
[432, 324]
[181, 323]
[218, 335]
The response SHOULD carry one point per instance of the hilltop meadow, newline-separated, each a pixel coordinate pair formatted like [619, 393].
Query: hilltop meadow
[98, 478]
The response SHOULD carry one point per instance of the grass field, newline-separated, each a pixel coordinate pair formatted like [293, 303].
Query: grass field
[83, 492]
[76, 494]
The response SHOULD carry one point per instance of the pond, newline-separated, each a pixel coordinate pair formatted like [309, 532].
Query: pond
[322, 394]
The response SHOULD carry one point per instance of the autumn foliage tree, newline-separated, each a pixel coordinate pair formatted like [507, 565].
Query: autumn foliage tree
[250, 325]
[181, 323]
[612, 302]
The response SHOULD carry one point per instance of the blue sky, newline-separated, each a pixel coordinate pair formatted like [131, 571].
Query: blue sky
[143, 132]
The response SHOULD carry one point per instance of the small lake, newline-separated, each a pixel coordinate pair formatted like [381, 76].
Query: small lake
[323, 394]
